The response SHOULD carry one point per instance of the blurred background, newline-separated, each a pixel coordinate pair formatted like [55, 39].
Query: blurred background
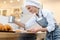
[8, 7]
[13, 7]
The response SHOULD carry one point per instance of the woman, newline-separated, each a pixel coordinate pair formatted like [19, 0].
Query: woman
[44, 18]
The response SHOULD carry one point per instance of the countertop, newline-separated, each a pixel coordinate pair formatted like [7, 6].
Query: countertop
[15, 36]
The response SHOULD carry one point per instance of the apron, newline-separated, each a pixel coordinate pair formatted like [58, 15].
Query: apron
[54, 35]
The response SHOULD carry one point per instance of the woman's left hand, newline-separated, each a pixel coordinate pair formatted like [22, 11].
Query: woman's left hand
[34, 30]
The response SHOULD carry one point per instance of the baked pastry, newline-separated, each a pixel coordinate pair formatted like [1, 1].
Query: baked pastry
[7, 27]
[1, 27]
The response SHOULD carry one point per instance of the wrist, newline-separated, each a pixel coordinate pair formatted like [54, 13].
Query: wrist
[43, 29]
[40, 29]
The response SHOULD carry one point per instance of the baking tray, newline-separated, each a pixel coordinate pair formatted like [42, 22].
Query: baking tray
[8, 31]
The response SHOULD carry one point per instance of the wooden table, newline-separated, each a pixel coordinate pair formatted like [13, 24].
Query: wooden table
[41, 35]
[16, 36]
[9, 36]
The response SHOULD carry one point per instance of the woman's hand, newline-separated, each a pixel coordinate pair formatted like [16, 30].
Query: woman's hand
[35, 30]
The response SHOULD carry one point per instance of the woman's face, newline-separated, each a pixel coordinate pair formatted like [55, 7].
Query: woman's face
[32, 9]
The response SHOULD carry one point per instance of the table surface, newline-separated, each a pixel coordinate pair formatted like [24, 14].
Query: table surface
[8, 35]
[15, 36]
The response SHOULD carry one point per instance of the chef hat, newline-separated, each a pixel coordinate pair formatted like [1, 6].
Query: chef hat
[33, 3]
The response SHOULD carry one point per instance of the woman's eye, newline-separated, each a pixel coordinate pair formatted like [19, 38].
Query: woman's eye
[28, 7]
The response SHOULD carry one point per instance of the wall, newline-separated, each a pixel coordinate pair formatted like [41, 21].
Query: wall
[53, 5]
[10, 6]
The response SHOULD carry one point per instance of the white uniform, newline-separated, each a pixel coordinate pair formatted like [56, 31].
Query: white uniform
[48, 15]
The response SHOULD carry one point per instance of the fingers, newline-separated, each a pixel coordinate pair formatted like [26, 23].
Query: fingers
[32, 30]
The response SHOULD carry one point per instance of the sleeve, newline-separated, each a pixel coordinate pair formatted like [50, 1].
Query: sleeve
[30, 22]
[51, 22]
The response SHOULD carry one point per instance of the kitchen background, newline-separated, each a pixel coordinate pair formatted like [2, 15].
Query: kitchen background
[13, 7]
[8, 7]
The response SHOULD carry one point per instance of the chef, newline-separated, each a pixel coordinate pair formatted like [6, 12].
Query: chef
[43, 17]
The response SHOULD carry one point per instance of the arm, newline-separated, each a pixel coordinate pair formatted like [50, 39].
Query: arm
[51, 24]
[20, 24]
[27, 24]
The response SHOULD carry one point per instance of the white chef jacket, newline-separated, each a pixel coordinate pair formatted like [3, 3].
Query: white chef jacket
[48, 15]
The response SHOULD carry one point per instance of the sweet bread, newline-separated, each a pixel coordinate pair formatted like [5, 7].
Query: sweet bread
[7, 27]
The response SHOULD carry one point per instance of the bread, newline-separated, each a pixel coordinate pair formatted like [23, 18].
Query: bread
[1, 27]
[7, 27]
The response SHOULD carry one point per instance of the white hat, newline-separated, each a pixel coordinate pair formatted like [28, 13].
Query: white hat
[33, 3]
